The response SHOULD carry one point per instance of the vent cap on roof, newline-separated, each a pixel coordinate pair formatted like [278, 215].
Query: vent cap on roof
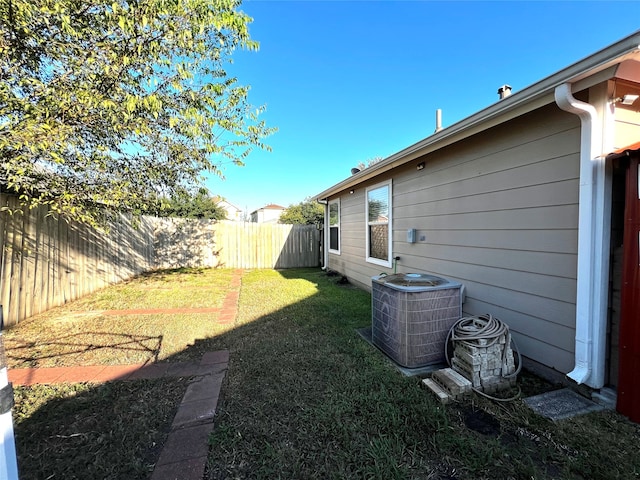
[504, 91]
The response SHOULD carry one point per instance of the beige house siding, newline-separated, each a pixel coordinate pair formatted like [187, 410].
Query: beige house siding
[627, 127]
[498, 212]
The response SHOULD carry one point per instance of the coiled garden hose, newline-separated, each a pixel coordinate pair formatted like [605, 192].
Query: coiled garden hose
[484, 327]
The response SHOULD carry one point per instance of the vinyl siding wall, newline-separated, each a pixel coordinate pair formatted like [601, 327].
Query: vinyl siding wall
[498, 212]
[627, 127]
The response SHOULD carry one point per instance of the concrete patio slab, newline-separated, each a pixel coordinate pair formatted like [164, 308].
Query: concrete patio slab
[213, 358]
[186, 444]
[561, 404]
[191, 469]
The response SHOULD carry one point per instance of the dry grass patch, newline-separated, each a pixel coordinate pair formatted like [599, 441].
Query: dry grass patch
[182, 288]
[80, 334]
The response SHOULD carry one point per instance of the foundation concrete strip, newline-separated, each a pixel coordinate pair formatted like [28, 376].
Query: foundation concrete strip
[185, 452]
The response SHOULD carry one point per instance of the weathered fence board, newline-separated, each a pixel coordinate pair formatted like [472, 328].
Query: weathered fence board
[46, 262]
[254, 245]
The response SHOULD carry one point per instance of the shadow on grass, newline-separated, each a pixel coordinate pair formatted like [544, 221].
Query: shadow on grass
[71, 345]
[305, 397]
[79, 431]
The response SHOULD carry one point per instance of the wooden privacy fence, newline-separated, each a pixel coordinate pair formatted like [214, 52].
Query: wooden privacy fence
[259, 245]
[46, 262]
[180, 242]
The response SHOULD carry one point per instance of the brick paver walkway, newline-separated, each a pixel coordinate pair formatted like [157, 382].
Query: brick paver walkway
[185, 451]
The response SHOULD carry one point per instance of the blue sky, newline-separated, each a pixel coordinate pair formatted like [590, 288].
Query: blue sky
[347, 81]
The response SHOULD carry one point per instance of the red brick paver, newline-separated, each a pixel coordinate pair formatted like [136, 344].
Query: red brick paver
[185, 452]
[229, 310]
[160, 311]
[104, 373]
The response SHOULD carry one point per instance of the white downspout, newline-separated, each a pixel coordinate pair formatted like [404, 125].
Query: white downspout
[325, 233]
[591, 299]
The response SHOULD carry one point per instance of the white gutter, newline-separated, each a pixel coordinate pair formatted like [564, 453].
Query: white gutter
[325, 235]
[592, 290]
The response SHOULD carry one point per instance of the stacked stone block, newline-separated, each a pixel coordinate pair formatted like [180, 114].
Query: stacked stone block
[485, 363]
[448, 385]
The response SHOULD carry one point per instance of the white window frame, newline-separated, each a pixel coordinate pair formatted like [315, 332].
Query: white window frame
[378, 261]
[329, 226]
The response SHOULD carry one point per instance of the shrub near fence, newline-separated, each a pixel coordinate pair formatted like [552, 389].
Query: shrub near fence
[46, 262]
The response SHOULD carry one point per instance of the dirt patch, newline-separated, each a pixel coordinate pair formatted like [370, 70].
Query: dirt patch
[482, 422]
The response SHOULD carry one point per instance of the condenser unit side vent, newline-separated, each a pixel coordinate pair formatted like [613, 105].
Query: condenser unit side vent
[412, 315]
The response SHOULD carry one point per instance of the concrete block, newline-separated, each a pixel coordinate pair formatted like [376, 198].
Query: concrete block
[467, 357]
[464, 370]
[442, 396]
[451, 382]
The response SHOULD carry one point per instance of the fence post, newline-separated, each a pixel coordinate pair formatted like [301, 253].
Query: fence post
[8, 462]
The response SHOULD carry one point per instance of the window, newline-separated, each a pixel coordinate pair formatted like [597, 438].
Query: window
[334, 226]
[379, 224]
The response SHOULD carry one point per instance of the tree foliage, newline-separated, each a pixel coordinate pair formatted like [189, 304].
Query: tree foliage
[370, 162]
[197, 205]
[308, 212]
[120, 103]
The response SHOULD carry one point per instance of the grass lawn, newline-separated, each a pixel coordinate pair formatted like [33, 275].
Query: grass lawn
[78, 333]
[84, 431]
[304, 397]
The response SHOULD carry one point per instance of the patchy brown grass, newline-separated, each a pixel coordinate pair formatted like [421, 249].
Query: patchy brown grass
[80, 333]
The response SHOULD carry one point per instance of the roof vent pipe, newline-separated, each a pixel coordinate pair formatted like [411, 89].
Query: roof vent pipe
[504, 91]
[438, 120]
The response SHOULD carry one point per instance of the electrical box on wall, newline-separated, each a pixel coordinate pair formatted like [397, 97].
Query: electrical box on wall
[411, 235]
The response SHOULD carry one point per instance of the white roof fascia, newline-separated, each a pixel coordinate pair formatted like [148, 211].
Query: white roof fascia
[582, 74]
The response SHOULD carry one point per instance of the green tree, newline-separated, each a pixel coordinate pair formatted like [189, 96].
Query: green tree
[197, 205]
[370, 163]
[119, 104]
[308, 212]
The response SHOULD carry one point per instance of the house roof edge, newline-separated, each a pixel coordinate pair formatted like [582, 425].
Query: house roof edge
[518, 103]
